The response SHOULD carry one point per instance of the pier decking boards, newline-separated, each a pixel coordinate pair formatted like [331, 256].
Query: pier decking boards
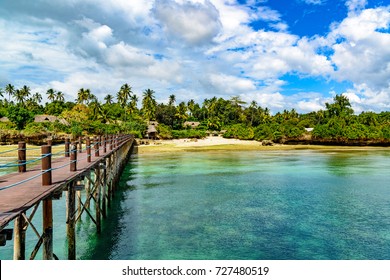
[16, 199]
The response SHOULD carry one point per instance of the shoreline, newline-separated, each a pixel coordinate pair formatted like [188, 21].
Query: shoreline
[215, 143]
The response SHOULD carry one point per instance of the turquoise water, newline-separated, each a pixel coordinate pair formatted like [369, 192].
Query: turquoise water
[302, 204]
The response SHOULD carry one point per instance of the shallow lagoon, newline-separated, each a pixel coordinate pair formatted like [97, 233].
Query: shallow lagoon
[304, 204]
[253, 205]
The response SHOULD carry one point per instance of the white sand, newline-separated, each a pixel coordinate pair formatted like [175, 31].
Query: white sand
[210, 141]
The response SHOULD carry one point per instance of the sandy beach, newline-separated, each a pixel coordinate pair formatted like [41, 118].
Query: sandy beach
[220, 143]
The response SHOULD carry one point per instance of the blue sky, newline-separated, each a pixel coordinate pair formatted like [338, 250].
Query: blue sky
[282, 54]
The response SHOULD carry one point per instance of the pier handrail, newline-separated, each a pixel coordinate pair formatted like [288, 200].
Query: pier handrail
[119, 139]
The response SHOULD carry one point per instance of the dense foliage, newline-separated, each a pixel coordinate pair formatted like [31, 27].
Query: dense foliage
[233, 118]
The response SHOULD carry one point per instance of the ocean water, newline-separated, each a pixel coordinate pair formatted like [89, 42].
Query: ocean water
[278, 205]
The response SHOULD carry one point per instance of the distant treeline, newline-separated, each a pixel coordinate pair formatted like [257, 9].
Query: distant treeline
[235, 118]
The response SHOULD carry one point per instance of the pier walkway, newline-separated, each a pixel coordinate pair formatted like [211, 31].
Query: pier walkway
[96, 169]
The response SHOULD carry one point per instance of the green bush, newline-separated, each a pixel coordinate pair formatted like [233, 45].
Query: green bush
[192, 133]
[19, 116]
[36, 129]
[239, 131]
[164, 131]
[386, 131]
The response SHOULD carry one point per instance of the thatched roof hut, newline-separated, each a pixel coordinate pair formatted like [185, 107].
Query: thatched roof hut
[191, 124]
[154, 123]
[4, 119]
[49, 118]
[151, 133]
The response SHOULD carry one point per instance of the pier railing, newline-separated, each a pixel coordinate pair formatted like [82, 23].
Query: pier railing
[91, 164]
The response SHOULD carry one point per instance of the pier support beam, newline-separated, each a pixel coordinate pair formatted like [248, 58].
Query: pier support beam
[70, 221]
[98, 200]
[104, 185]
[47, 212]
[19, 238]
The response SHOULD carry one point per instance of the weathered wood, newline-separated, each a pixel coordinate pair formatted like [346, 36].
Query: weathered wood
[22, 156]
[104, 186]
[70, 221]
[46, 165]
[97, 200]
[73, 157]
[19, 238]
[80, 145]
[67, 144]
[88, 148]
[109, 186]
[111, 143]
[78, 195]
[47, 212]
[96, 146]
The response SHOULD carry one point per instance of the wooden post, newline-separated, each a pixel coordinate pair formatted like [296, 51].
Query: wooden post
[104, 144]
[109, 186]
[73, 157]
[70, 221]
[80, 145]
[67, 143]
[22, 156]
[88, 144]
[19, 239]
[110, 142]
[47, 229]
[96, 146]
[46, 165]
[104, 205]
[97, 200]
[87, 190]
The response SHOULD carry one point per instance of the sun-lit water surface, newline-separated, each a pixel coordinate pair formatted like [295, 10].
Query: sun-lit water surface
[244, 205]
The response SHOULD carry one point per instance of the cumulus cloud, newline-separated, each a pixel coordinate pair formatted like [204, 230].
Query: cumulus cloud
[195, 23]
[231, 85]
[361, 55]
[355, 6]
[197, 48]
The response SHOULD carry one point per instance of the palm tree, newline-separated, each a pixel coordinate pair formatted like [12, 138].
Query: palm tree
[172, 100]
[95, 107]
[109, 99]
[181, 112]
[148, 104]
[59, 96]
[83, 95]
[10, 89]
[37, 97]
[21, 95]
[191, 106]
[253, 109]
[51, 94]
[124, 94]
[1, 93]
[133, 104]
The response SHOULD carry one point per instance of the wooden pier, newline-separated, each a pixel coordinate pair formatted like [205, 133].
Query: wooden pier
[96, 169]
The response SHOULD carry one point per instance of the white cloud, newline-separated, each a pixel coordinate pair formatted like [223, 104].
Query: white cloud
[197, 48]
[231, 85]
[355, 6]
[362, 56]
[195, 23]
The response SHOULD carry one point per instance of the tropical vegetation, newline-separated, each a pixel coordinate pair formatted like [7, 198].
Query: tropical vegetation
[233, 118]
